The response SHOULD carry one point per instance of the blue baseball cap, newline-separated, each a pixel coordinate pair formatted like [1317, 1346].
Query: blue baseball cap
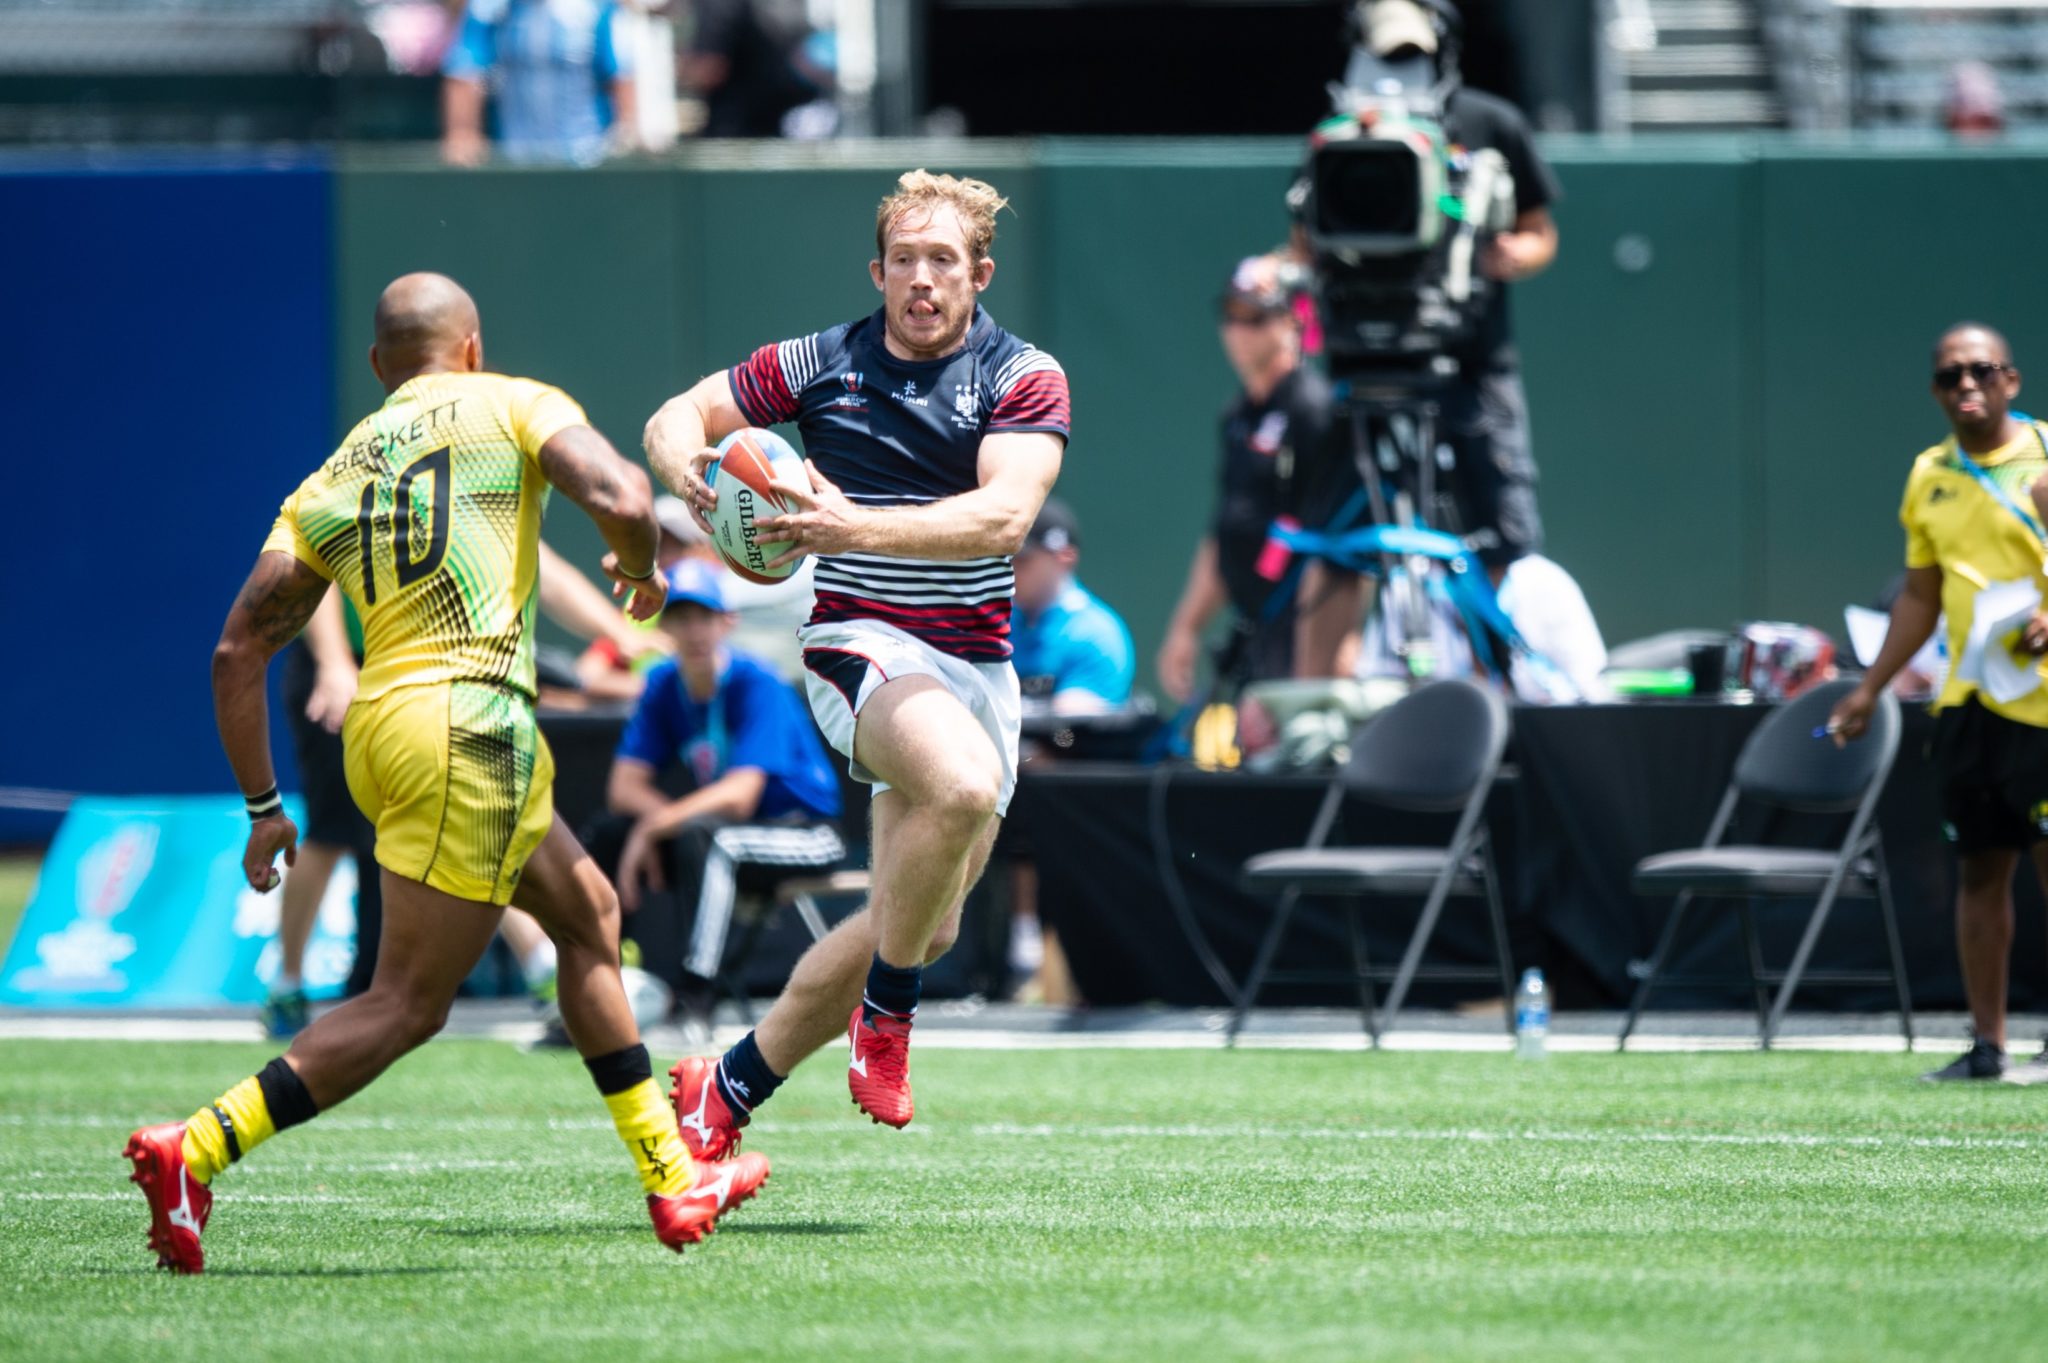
[695, 581]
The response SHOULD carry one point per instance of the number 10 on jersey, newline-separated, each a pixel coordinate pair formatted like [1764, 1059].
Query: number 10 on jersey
[402, 524]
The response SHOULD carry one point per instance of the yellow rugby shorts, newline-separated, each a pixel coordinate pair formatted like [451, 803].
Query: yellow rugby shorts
[457, 780]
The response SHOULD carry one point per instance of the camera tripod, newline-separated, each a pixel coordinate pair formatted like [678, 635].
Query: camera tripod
[1410, 545]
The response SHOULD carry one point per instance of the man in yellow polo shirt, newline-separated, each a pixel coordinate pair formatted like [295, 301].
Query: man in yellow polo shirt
[1971, 522]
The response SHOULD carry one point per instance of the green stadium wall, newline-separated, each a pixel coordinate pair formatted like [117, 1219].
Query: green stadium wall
[1726, 366]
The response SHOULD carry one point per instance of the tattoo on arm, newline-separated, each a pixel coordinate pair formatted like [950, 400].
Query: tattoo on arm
[277, 600]
[611, 491]
[580, 463]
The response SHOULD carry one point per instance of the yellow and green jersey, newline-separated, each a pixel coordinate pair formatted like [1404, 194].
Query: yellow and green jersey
[428, 519]
[1953, 523]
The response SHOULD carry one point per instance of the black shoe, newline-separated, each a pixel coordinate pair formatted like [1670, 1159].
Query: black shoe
[1983, 1060]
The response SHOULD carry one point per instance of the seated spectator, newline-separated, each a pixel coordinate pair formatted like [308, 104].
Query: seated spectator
[1072, 653]
[764, 791]
[561, 77]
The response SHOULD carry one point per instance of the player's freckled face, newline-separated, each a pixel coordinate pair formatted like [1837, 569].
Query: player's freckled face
[929, 282]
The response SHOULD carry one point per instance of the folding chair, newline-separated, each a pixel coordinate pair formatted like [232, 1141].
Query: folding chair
[1784, 766]
[757, 912]
[1437, 750]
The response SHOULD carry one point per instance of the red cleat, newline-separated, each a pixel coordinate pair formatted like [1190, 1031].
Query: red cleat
[178, 1203]
[710, 1127]
[692, 1214]
[878, 1067]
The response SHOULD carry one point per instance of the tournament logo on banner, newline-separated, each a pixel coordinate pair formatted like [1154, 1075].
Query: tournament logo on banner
[141, 903]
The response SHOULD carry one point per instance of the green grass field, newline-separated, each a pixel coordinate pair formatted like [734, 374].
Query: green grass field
[1062, 1205]
[17, 878]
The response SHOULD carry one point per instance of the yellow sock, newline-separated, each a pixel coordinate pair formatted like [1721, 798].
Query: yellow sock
[207, 1150]
[647, 1124]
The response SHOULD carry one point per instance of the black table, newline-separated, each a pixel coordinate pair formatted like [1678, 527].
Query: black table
[1596, 788]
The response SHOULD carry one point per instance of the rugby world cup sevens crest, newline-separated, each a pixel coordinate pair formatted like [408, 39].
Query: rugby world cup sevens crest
[111, 873]
[83, 954]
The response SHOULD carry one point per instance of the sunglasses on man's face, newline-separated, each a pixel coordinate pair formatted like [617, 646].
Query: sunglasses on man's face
[1983, 371]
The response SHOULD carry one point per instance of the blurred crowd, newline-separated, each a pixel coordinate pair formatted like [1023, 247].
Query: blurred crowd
[577, 81]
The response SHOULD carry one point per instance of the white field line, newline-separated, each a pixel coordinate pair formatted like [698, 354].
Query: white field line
[338, 1121]
[1072, 1131]
[287, 1199]
[1477, 1136]
[25, 1027]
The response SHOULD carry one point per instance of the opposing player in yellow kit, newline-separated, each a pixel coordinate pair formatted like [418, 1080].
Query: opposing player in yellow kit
[428, 517]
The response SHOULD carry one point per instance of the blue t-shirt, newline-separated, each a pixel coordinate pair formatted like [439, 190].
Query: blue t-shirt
[550, 63]
[754, 719]
[1075, 644]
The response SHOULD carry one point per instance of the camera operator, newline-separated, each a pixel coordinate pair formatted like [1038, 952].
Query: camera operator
[1485, 415]
[1284, 458]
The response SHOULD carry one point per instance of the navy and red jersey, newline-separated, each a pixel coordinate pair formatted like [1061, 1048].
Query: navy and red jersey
[893, 432]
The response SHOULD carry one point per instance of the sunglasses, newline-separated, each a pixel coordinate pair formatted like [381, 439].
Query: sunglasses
[1950, 376]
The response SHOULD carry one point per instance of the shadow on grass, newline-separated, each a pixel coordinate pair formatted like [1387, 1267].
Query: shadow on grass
[614, 1228]
[310, 1271]
[402, 1271]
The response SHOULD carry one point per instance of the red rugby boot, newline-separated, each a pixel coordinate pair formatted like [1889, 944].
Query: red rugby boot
[692, 1214]
[878, 1067]
[710, 1125]
[178, 1203]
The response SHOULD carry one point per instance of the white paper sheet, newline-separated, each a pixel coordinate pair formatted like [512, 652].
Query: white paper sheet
[1989, 658]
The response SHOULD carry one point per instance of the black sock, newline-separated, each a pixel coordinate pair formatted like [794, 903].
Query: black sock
[744, 1077]
[621, 1070]
[284, 1093]
[892, 989]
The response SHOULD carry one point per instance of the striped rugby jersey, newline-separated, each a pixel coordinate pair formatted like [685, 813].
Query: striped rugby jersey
[894, 432]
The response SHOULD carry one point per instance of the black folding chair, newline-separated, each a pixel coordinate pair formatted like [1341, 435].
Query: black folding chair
[1784, 767]
[1436, 750]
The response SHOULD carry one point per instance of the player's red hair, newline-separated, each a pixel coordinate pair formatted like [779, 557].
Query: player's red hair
[920, 191]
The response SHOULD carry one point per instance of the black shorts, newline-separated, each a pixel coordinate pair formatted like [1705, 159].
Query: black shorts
[331, 813]
[1994, 778]
[1493, 482]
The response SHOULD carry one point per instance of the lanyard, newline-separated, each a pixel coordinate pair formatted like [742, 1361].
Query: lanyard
[1990, 485]
[712, 741]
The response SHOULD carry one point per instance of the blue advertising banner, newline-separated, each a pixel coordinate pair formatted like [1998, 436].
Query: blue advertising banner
[178, 246]
[141, 904]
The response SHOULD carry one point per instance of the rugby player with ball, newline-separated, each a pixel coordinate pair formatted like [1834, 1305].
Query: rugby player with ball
[933, 436]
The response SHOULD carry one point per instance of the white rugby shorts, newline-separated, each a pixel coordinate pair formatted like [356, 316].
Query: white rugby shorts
[846, 660]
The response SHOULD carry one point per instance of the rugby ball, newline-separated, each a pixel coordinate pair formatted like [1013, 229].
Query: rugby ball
[749, 460]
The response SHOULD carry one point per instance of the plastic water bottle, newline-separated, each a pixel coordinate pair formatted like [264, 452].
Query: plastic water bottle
[1532, 1015]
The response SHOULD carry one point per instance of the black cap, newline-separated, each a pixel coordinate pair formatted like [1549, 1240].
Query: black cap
[1055, 529]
